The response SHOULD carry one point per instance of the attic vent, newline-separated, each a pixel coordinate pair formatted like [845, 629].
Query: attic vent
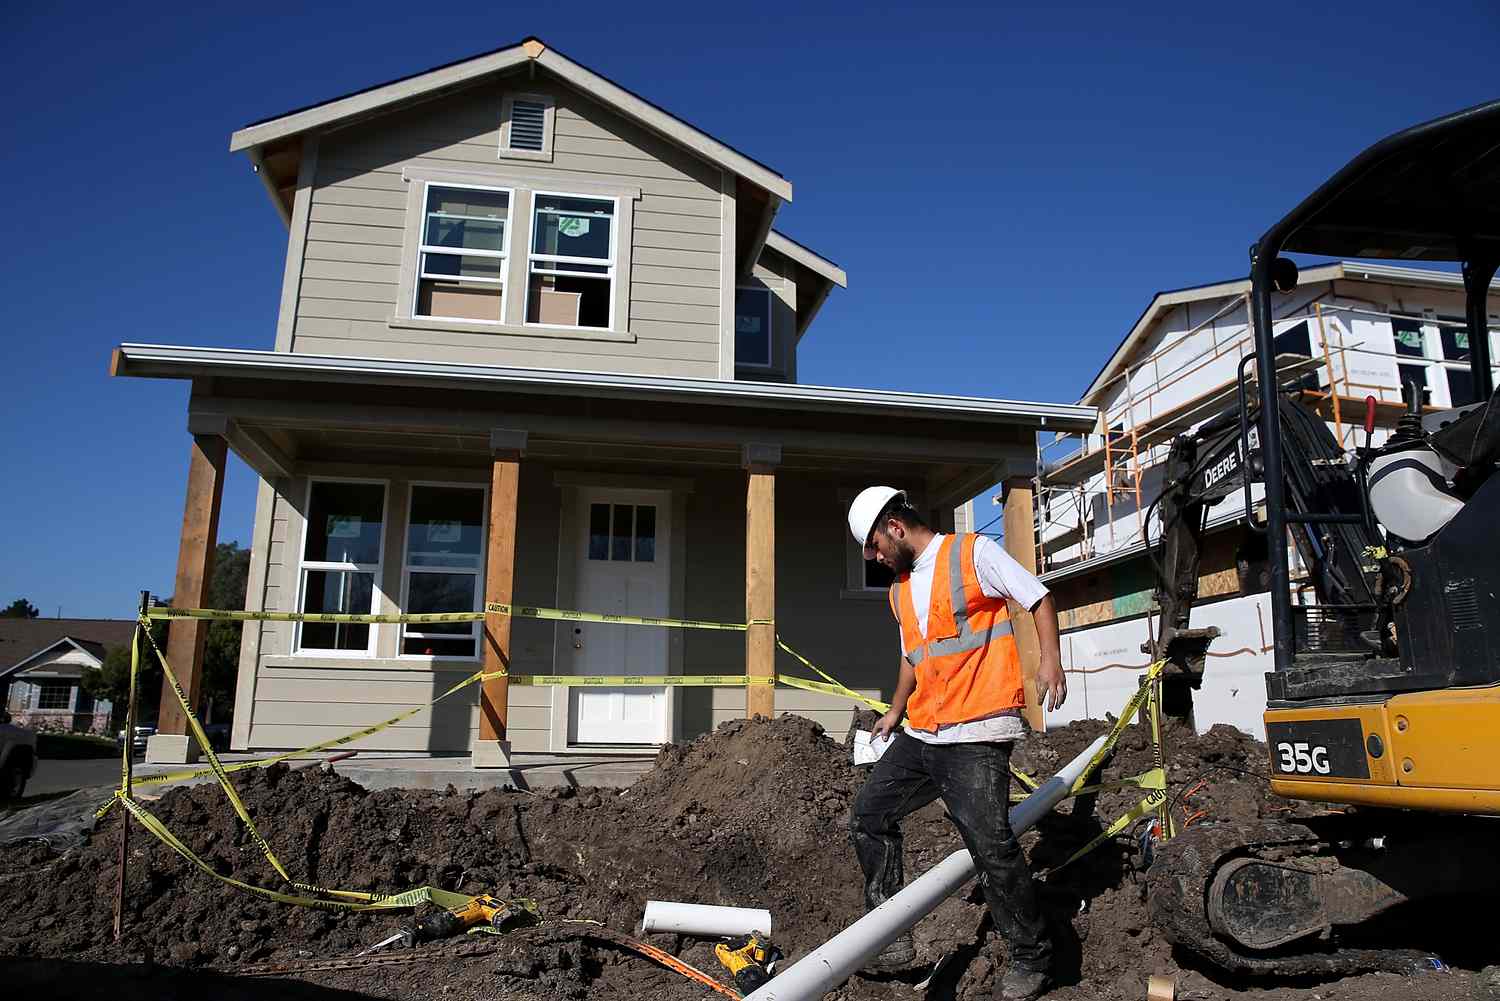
[528, 125]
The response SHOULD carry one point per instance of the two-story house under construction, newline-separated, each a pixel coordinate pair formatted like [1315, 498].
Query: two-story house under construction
[1348, 332]
[538, 344]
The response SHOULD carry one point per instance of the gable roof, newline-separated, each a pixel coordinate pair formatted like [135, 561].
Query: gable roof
[22, 640]
[430, 83]
[1328, 271]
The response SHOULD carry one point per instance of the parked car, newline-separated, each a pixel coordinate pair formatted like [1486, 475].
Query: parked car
[17, 757]
[143, 733]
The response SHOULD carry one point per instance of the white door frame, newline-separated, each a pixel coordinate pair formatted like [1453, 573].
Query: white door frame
[672, 492]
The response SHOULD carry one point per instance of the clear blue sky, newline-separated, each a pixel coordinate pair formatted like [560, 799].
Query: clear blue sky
[1006, 191]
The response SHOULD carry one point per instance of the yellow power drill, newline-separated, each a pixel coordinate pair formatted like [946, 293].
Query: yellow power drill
[750, 960]
[482, 910]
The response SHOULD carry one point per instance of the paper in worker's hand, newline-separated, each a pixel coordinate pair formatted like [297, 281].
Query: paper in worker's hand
[868, 748]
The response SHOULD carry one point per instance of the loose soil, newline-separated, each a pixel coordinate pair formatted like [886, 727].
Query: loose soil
[754, 814]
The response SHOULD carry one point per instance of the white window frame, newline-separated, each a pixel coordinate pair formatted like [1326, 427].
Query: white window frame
[549, 119]
[413, 629]
[72, 702]
[770, 361]
[503, 254]
[613, 264]
[377, 569]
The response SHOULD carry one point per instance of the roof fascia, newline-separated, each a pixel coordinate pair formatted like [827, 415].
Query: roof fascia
[323, 115]
[177, 362]
[675, 129]
[21, 666]
[792, 250]
[1164, 301]
[590, 83]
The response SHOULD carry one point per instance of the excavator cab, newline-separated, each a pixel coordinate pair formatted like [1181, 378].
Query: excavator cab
[1389, 700]
[1385, 698]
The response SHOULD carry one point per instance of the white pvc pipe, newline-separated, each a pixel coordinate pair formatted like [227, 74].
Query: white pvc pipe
[704, 920]
[831, 963]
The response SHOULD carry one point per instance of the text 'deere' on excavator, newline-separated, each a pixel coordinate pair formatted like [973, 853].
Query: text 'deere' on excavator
[1385, 698]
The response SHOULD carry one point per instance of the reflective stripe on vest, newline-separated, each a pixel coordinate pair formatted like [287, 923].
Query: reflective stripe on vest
[970, 667]
[967, 639]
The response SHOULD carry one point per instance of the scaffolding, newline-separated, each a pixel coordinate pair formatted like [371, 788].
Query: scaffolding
[1133, 436]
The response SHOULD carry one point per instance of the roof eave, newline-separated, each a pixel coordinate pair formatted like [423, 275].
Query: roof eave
[341, 110]
[173, 362]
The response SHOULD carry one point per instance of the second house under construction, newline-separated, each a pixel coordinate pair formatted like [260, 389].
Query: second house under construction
[1350, 331]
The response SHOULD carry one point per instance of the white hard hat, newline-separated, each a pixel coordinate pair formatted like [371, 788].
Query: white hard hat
[866, 508]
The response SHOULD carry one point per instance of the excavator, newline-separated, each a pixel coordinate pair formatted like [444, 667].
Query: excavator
[1384, 703]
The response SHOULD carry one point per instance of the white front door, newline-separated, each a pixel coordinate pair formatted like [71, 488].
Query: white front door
[623, 567]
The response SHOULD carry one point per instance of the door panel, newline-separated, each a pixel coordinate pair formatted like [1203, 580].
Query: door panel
[623, 565]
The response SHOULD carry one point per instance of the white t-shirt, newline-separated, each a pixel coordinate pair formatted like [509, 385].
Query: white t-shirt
[1000, 576]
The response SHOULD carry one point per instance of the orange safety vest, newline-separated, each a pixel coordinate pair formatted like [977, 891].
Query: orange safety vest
[968, 665]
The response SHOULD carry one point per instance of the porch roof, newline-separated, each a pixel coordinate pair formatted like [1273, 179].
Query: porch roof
[172, 362]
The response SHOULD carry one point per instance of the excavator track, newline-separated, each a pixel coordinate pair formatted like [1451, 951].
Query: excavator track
[1182, 877]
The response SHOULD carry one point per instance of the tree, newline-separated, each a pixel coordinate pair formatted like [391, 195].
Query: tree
[221, 650]
[112, 680]
[19, 609]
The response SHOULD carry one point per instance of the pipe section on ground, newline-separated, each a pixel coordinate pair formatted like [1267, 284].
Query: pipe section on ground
[831, 963]
[704, 920]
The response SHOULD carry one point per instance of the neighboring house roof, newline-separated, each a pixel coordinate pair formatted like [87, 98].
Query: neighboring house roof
[429, 83]
[1329, 271]
[24, 640]
[171, 362]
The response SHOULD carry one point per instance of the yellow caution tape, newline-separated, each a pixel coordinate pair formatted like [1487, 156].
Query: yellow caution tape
[222, 615]
[648, 680]
[490, 608]
[572, 615]
[359, 901]
[1131, 708]
[809, 685]
[1150, 804]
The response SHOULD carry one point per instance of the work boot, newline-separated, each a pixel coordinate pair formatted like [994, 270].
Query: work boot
[893, 958]
[1023, 985]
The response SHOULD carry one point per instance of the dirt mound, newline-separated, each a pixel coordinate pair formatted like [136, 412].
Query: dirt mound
[755, 814]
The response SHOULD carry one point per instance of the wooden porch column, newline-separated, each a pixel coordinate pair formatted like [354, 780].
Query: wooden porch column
[1020, 542]
[171, 743]
[492, 748]
[760, 575]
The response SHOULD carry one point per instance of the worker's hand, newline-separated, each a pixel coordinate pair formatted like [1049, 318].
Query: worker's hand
[1051, 686]
[886, 725]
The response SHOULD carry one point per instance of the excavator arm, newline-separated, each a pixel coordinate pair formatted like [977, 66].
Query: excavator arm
[1220, 459]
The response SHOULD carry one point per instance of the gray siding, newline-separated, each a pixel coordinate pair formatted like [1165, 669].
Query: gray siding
[300, 700]
[356, 223]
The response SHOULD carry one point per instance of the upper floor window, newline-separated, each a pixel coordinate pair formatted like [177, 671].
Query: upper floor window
[1432, 354]
[341, 558]
[526, 126]
[572, 268]
[491, 252]
[464, 245]
[752, 327]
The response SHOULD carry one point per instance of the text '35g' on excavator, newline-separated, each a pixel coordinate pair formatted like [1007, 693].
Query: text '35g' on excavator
[1385, 698]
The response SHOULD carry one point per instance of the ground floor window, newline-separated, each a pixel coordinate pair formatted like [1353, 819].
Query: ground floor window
[341, 559]
[54, 695]
[442, 568]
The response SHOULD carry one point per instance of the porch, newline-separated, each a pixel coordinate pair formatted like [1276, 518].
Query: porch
[596, 492]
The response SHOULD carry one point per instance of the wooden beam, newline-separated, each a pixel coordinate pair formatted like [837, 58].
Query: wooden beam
[195, 568]
[492, 749]
[760, 576]
[1020, 542]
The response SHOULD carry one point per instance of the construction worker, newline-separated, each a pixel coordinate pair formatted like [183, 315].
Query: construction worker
[961, 692]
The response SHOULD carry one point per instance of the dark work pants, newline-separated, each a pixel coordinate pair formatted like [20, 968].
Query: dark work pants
[974, 783]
